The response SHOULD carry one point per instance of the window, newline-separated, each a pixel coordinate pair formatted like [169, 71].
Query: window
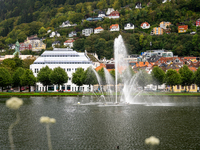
[193, 86]
[177, 87]
[36, 70]
[182, 87]
[69, 87]
[69, 78]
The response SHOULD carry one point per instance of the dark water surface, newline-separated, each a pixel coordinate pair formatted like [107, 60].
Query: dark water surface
[176, 122]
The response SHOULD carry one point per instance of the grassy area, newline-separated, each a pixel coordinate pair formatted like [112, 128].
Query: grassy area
[8, 94]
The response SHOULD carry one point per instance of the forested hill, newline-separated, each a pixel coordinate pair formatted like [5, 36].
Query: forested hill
[22, 18]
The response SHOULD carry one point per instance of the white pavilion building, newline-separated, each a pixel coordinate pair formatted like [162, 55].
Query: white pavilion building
[66, 58]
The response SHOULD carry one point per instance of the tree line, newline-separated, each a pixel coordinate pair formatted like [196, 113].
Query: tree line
[58, 76]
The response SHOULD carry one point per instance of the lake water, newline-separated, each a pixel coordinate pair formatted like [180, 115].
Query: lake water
[89, 126]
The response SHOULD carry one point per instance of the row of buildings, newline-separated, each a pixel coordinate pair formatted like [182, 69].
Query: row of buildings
[70, 60]
[31, 43]
[164, 27]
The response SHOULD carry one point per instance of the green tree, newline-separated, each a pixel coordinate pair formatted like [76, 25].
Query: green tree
[58, 76]
[79, 45]
[42, 30]
[43, 76]
[90, 77]
[17, 77]
[28, 79]
[116, 5]
[78, 77]
[102, 76]
[102, 4]
[187, 76]
[158, 76]
[143, 78]
[172, 78]
[5, 78]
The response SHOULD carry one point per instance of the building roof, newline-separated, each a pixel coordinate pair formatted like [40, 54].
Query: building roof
[183, 27]
[114, 26]
[69, 41]
[98, 28]
[188, 58]
[165, 59]
[100, 67]
[59, 57]
[145, 23]
[114, 13]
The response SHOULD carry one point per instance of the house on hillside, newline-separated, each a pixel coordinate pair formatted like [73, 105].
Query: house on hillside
[69, 43]
[35, 42]
[66, 24]
[25, 46]
[101, 14]
[109, 11]
[164, 1]
[182, 29]
[11, 46]
[164, 24]
[157, 31]
[128, 26]
[87, 31]
[114, 27]
[55, 43]
[198, 22]
[98, 30]
[56, 34]
[138, 5]
[145, 25]
[72, 34]
[114, 15]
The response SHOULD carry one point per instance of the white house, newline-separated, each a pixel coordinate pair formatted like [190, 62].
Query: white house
[55, 43]
[101, 14]
[48, 31]
[67, 24]
[98, 30]
[114, 15]
[54, 34]
[109, 11]
[128, 26]
[164, 1]
[114, 27]
[87, 31]
[69, 43]
[138, 5]
[145, 25]
[72, 34]
[66, 58]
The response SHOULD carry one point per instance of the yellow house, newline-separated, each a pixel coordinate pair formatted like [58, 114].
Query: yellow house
[182, 29]
[157, 31]
[164, 24]
[179, 88]
[36, 43]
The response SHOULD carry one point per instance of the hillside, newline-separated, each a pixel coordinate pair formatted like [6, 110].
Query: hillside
[20, 19]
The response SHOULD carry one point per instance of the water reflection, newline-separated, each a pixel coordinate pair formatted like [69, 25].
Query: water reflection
[92, 125]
